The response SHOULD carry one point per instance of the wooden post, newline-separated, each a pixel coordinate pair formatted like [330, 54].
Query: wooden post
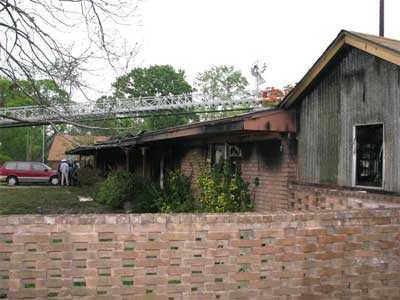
[162, 172]
[144, 161]
[127, 161]
[96, 159]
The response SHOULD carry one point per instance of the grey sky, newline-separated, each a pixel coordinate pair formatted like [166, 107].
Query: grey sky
[289, 35]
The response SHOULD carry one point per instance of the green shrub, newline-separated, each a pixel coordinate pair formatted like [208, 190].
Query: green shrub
[117, 189]
[146, 195]
[177, 195]
[223, 190]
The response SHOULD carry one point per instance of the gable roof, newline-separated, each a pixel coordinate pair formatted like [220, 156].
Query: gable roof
[64, 143]
[382, 47]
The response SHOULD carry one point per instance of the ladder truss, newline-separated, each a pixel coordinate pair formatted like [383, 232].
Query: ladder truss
[121, 108]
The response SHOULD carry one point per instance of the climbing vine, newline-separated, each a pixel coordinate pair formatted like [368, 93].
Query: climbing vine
[222, 189]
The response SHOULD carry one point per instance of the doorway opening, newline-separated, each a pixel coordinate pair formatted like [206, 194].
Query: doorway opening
[369, 155]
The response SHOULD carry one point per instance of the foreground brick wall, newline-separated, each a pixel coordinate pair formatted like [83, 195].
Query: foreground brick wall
[329, 255]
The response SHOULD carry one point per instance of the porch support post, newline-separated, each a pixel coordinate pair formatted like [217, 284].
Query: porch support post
[127, 159]
[144, 156]
[162, 171]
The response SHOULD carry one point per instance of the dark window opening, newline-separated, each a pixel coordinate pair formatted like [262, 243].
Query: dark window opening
[369, 156]
[221, 153]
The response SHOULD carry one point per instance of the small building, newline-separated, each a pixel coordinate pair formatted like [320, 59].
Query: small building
[348, 115]
[64, 142]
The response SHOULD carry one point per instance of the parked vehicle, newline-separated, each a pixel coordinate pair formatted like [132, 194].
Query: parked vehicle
[15, 172]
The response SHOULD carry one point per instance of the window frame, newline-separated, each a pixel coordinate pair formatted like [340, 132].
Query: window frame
[354, 157]
[234, 161]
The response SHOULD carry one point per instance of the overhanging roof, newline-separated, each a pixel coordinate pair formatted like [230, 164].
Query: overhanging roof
[263, 121]
[384, 48]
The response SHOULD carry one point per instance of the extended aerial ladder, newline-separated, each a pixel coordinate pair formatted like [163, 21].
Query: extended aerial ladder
[122, 108]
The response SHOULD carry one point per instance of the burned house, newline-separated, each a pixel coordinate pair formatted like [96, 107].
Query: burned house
[259, 143]
[339, 128]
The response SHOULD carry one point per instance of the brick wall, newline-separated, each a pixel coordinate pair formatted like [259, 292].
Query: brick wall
[191, 161]
[314, 198]
[274, 172]
[326, 255]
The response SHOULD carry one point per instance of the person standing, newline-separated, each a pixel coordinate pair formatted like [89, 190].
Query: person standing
[64, 168]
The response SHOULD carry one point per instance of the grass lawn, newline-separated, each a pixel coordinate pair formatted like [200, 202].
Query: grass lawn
[46, 199]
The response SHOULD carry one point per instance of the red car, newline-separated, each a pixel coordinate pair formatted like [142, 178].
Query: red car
[14, 172]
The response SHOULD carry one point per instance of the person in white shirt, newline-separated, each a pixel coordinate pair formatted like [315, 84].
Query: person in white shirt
[64, 169]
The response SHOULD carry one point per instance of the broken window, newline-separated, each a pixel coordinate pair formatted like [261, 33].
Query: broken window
[219, 153]
[369, 155]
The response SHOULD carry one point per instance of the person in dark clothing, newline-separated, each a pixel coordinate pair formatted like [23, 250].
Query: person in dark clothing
[73, 172]
[59, 172]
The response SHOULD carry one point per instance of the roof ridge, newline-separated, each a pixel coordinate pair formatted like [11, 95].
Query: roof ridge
[389, 51]
[372, 35]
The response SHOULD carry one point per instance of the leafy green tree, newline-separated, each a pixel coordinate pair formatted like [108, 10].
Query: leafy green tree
[25, 143]
[158, 80]
[12, 94]
[221, 82]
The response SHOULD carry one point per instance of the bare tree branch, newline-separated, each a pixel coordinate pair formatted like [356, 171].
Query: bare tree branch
[33, 43]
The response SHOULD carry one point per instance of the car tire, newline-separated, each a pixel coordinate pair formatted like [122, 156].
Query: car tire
[54, 181]
[12, 181]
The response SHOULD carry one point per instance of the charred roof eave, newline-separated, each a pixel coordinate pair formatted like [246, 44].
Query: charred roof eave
[260, 121]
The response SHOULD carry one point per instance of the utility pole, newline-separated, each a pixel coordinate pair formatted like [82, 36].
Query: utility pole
[382, 18]
[29, 144]
[43, 141]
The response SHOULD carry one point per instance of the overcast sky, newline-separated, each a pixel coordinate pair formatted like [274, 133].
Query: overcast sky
[288, 35]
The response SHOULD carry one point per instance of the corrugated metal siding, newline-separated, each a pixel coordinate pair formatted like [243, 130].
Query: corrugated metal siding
[360, 89]
[319, 137]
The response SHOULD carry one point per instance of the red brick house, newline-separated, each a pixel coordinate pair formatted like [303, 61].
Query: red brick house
[259, 142]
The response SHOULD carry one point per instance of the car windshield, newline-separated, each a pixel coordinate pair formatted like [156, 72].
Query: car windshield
[11, 165]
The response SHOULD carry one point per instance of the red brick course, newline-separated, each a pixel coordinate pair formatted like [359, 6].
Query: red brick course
[314, 198]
